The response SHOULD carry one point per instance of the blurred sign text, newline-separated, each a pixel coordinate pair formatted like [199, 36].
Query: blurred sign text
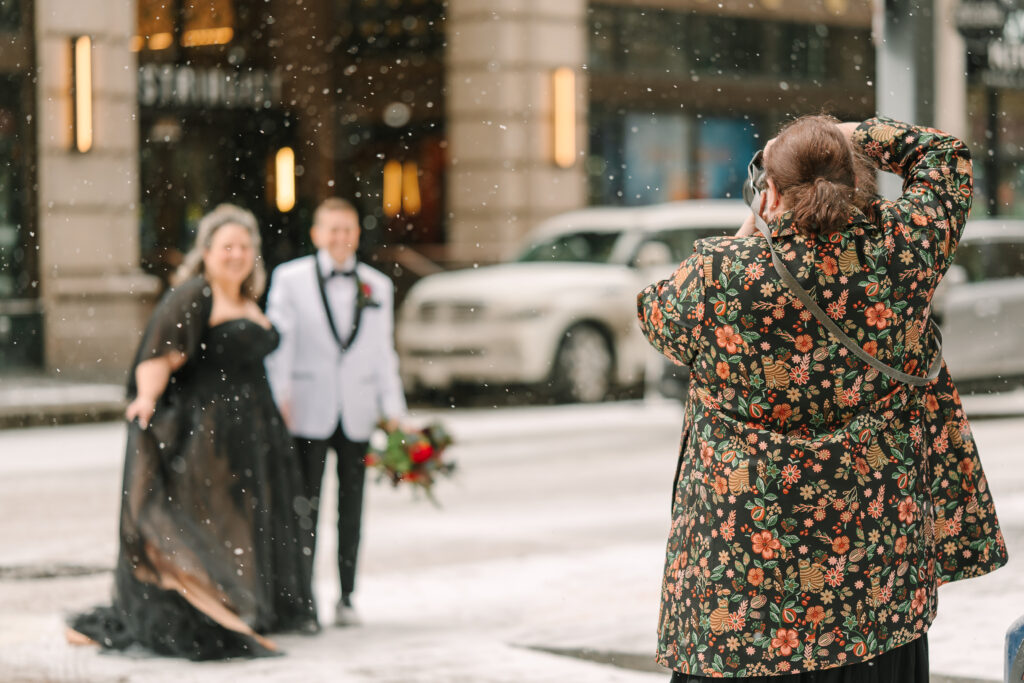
[165, 85]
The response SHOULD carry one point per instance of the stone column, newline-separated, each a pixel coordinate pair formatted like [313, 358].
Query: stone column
[95, 298]
[950, 72]
[502, 178]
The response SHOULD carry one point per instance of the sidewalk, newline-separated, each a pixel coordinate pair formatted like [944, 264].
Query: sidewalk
[39, 400]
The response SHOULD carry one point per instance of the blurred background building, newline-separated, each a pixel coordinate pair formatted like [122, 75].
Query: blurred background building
[453, 125]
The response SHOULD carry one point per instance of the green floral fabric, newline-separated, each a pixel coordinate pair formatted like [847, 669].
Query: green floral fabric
[818, 504]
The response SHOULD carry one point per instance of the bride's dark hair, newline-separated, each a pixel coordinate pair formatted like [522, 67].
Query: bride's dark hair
[821, 177]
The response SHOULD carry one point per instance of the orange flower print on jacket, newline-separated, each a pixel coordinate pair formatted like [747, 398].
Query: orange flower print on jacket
[818, 504]
[879, 316]
[728, 339]
[766, 544]
[785, 641]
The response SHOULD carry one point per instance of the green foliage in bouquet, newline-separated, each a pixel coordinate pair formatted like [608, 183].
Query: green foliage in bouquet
[410, 456]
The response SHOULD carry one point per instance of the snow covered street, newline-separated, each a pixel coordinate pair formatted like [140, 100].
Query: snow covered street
[547, 554]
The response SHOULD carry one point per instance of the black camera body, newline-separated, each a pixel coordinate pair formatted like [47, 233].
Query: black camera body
[755, 178]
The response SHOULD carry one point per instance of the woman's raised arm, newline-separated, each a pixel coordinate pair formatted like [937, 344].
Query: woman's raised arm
[151, 377]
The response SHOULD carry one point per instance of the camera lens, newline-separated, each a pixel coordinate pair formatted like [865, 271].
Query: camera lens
[755, 177]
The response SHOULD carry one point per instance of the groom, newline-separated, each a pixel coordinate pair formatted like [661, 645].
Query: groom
[335, 372]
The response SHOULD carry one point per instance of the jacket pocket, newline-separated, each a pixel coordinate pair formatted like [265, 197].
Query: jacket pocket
[679, 469]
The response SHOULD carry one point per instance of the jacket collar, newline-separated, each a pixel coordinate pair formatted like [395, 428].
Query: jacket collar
[785, 225]
[327, 264]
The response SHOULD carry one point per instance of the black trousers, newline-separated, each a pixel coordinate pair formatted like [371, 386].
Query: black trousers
[351, 480]
[905, 664]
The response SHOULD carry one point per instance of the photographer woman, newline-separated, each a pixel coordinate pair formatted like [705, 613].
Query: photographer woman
[828, 480]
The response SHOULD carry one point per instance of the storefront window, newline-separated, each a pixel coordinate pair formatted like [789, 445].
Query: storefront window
[657, 158]
[640, 158]
[724, 45]
[208, 22]
[211, 123]
[20, 321]
[168, 29]
[11, 253]
[193, 160]
[10, 15]
[16, 257]
[997, 146]
[653, 43]
[376, 26]
[678, 97]
[392, 154]
[725, 146]
[156, 24]
[662, 42]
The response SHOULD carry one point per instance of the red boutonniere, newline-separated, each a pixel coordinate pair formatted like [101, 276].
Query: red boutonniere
[365, 297]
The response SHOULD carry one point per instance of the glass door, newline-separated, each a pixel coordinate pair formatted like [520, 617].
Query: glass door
[20, 318]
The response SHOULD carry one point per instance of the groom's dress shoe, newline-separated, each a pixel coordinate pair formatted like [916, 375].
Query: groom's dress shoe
[345, 614]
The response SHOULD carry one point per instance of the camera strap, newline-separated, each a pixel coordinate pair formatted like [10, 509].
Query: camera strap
[831, 326]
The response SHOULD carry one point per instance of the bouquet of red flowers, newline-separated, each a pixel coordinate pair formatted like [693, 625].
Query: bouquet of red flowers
[412, 456]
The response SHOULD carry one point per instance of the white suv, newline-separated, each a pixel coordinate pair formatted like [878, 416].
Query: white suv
[980, 304]
[562, 315]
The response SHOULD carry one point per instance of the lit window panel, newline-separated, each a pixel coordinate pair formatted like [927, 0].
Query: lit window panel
[208, 22]
[155, 25]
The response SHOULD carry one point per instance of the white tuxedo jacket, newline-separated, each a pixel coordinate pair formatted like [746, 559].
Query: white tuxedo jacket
[308, 371]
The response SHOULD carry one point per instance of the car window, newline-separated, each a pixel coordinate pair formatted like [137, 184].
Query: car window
[972, 258]
[680, 240]
[997, 260]
[1007, 261]
[583, 247]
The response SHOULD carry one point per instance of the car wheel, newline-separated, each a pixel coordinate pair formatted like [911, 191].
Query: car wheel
[583, 366]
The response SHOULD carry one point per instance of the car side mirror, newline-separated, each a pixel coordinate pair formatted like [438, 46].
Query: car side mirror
[652, 255]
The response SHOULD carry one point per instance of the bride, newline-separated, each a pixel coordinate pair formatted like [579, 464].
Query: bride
[210, 557]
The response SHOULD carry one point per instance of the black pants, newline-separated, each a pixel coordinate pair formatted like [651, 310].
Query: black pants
[905, 664]
[351, 478]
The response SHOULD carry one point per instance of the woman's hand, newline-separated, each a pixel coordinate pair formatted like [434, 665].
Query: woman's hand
[748, 228]
[285, 408]
[151, 377]
[142, 408]
[848, 128]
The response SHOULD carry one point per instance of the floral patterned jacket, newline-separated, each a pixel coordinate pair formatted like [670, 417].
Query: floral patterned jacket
[819, 505]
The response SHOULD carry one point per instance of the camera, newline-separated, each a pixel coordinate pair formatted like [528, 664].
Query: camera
[755, 177]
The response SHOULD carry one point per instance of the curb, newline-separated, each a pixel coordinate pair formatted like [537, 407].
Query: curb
[61, 414]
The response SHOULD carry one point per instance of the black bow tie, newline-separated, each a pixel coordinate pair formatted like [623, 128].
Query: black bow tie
[341, 273]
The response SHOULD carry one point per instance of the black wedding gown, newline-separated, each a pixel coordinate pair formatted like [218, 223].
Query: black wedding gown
[210, 555]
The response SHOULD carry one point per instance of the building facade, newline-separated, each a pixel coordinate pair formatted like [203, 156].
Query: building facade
[454, 126]
[72, 295]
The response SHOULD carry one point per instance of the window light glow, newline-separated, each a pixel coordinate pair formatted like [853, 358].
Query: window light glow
[284, 175]
[207, 36]
[410, 188]
[563, 82]
[82, 92]
[392, 194]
